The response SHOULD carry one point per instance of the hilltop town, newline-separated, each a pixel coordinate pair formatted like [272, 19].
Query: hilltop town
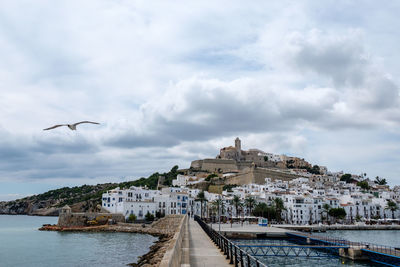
[255, 183]
[244, 183]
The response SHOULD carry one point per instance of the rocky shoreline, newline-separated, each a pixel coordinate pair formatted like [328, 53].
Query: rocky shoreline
[164, 229]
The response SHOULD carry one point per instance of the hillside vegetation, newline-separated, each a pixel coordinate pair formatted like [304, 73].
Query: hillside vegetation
[80, 198]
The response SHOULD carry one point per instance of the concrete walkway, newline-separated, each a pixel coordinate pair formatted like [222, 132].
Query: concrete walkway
[202, 251]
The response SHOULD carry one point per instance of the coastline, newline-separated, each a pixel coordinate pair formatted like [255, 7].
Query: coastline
[164, 229]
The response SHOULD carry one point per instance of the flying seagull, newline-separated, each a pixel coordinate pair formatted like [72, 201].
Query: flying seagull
[71, 126]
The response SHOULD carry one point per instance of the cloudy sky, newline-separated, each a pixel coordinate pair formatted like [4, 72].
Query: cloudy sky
[173, 81]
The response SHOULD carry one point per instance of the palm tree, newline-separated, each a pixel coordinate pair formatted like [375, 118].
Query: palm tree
[380, 181]
[279, 207]
[250, 203]
[202, 198]
[326, 208]
[219, 204]
[392, 206]
[237, 203]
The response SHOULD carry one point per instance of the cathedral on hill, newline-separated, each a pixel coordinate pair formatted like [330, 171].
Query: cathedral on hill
[259, 157]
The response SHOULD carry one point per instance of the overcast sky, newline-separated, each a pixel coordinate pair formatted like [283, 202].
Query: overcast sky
[173, 81]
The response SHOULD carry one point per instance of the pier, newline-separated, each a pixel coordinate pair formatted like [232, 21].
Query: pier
[202, 251]
[280, 242]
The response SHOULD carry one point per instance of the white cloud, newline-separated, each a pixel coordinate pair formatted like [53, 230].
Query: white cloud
[172, 82]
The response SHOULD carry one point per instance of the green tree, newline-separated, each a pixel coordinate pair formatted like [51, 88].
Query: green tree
[347, 178]
[201, 197]
[228, 187]
[149, 217]
[380, 181]
[159, 214]
[315, 170]
[279, 207]
[250, 203]
[209, 177]
[132, 218]
[358, 218]
[392, 206]
[337, 213]
[326, 208]
[363, 184]
[237, 203]
[265, 211]
[218, 204]
[171, 175]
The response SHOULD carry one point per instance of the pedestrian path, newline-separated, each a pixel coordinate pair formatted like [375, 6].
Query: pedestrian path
[202, 251]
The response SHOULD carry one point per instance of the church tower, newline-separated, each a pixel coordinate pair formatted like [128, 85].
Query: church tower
[238, 146]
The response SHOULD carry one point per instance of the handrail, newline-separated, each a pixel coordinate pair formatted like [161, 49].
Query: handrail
[392, 251]
[234, 253]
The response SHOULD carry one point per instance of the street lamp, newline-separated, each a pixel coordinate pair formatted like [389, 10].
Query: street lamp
[219, 214]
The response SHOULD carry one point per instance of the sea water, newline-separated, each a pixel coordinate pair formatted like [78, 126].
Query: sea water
[381, 237]
[22, 244]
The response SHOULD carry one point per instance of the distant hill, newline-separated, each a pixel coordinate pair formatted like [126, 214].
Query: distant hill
[80, 198]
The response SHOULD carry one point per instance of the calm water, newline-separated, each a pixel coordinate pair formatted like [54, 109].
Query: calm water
[389, 238]
[381, 237]
[21, 244]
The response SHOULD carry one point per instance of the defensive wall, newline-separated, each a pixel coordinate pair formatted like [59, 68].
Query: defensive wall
[248, 171]
[258, 175]
[69, 219]
[215, 165]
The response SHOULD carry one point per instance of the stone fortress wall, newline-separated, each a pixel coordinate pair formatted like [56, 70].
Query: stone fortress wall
[250, 166]
[215, 165]
[70, 219]
[258, 175]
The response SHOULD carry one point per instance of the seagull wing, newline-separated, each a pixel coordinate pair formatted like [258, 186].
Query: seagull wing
[55, 126]
[85, 122]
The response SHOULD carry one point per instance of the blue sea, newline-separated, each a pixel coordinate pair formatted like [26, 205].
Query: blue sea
[385, 237]
[21, 244]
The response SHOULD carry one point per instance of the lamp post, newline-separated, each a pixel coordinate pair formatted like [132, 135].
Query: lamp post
[219, 214]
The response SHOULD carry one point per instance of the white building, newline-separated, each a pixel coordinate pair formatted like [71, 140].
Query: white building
[140, 201]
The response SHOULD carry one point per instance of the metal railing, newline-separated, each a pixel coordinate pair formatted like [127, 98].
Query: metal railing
[235, 254]
[392, 251]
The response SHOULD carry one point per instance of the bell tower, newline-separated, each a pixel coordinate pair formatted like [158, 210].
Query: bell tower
[238, 147]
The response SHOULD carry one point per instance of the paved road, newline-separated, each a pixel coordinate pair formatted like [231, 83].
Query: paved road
[202, 250]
